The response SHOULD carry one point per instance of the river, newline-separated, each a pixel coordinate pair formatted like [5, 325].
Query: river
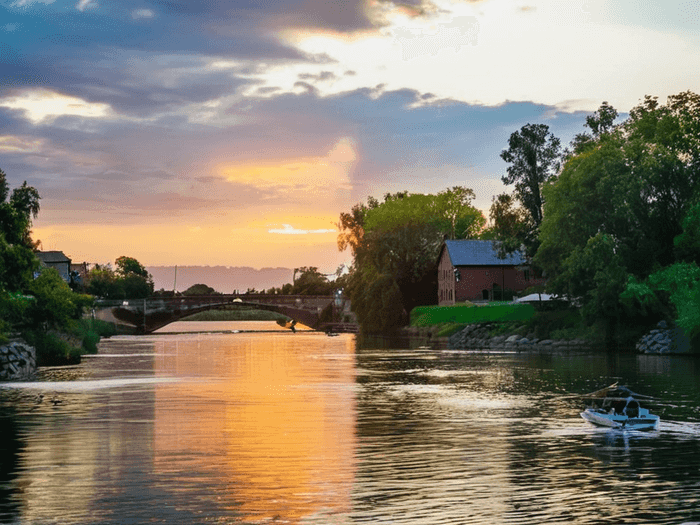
[272, 427]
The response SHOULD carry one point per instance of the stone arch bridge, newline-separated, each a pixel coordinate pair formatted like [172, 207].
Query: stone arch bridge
[147, 315]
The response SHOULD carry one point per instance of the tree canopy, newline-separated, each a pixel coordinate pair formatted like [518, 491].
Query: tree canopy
[130, 280]
[533, 154]
[625, 204]
[395, 246]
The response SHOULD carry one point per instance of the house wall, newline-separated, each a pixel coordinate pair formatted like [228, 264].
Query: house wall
[62, 267]
[446, 280]
[477, 282]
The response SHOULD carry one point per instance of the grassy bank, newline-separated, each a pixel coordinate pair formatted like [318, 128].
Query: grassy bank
[446, 320]
[560, 323]
[55, 348]
[236, 315]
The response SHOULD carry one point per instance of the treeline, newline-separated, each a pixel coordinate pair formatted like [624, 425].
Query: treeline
[129, 279]
[35, 303]
[621, 224]
[307, 281]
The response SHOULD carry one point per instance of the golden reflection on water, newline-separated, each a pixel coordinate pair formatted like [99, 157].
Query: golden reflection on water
[279, 411]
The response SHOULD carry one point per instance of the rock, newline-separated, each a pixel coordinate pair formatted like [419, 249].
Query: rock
[512, 339]
[546, 342]
[661, 324]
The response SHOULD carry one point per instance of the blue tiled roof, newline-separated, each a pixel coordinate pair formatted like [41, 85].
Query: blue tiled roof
[478, 253]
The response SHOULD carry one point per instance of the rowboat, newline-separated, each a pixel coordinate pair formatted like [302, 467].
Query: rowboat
[617, 407]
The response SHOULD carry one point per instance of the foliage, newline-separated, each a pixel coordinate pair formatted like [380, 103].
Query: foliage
[56, 304]
[624, 204]
[671, 293]
[512, 226]
[395, 245]
[16, 213]
[127, 266]
[130, 280]
[533, 154]
[51, 348]
[467, 314]
[311, 282]
[200, 289]
[17, 262]
[89, 332]
[687, 244]
[102, 282]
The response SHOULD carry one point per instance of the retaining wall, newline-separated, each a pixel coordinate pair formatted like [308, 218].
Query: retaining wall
[17, 361]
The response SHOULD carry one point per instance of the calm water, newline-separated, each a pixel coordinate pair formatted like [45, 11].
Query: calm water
[274, 427]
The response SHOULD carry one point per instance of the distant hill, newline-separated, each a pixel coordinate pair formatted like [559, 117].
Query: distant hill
[224, 279]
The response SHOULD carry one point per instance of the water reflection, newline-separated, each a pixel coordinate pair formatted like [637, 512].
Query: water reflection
[306, 429]
[279, 414]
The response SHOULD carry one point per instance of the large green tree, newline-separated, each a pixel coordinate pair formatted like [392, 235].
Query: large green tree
[395, 246]
[130, 280]
[627, 194]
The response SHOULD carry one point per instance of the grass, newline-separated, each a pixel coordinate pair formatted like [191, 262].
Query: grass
[464, 314]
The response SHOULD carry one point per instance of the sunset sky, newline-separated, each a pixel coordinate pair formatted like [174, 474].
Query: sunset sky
[235, 132]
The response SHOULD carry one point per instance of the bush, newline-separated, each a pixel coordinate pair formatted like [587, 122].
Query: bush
[52, 349]
[90, 331]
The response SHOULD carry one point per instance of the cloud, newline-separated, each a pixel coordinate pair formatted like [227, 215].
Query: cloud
[501, 54]
[82, 5]
[288, 229]
[24, 3]
[42, 105]
[142, 13]
[312, 176]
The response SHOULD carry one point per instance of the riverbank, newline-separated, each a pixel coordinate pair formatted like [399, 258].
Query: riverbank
[661, 340]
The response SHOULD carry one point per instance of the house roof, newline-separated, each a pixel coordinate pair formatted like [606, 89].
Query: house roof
[479, 253]
[52, 257]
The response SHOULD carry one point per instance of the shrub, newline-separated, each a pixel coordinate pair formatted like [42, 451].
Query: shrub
[52, 349]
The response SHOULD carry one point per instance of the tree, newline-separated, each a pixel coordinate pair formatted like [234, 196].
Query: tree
[533, 153]
[512, 226]
[311, 282]
[200, 289]
[631, 191]
[136, 282]
[130, 280]
[55, 302]
[130, 266]
[637, 182]
[395, 246]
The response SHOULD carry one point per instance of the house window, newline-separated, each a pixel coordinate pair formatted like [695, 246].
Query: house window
[527, 275]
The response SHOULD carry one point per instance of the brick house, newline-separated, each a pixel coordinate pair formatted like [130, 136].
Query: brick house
[57, 260]
[470, 270]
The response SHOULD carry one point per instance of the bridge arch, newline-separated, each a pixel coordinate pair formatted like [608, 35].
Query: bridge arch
[148, 315]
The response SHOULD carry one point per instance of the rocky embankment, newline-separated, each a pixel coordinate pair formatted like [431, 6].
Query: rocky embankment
[477, 337]
[664, 340]
[17, 361]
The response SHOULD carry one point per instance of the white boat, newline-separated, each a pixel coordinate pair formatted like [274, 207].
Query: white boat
[616, 407]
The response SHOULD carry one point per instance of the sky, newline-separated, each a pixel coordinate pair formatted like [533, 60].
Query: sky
[235, 132]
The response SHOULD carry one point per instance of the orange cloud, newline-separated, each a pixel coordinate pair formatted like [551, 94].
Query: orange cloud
[308, 174]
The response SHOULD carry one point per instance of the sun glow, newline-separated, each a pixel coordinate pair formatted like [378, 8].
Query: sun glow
[41, 106]
[318, 175]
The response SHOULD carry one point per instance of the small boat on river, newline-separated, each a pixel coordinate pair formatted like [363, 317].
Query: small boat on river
[617, 407]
